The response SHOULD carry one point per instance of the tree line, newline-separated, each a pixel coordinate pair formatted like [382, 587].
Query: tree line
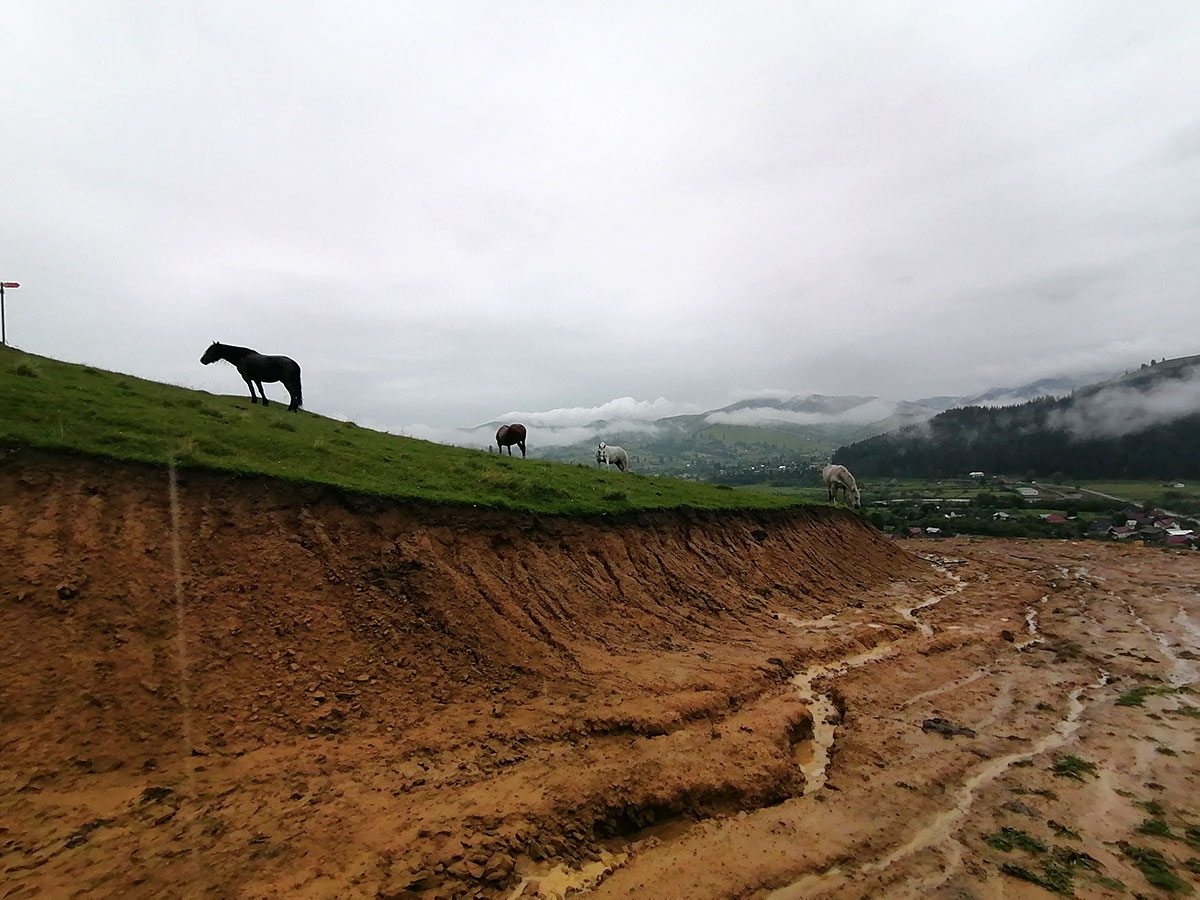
[1029, 437]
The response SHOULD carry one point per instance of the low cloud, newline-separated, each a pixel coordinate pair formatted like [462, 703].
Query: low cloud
[1121, 409]
[621, 409]
[562, 427]
[871, 411]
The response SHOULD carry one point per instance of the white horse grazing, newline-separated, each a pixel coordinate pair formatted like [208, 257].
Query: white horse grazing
[612, 456]
[839, 477]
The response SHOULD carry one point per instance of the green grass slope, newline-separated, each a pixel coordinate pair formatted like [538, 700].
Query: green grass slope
[60, 406]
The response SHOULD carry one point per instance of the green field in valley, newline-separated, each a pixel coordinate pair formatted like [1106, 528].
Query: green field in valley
[61, 406]
[1143, 491]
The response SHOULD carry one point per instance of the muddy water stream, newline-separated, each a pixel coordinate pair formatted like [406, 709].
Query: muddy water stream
[909, 612]
[941, 830]
[558, 882]
[812, 756]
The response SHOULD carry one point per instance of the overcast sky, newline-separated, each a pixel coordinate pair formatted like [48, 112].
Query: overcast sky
[447, 212]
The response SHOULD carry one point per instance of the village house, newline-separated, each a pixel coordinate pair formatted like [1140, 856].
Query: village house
[1152, 535]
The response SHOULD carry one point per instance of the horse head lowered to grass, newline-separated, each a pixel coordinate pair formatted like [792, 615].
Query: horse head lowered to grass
[255, 368]
[508, 435]
[839, 478]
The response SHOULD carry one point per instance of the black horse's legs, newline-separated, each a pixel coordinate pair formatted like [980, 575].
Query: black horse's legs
[521, 444]
[250, 384]
[262, 393]
[293, 389]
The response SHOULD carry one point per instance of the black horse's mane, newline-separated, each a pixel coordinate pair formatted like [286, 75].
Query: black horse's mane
[240, 351]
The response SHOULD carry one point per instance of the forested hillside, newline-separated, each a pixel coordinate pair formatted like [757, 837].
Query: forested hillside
[1144, 424]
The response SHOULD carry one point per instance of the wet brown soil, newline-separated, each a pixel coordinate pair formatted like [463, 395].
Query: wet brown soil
[219, 687]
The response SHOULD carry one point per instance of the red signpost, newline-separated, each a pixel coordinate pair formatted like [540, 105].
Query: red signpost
[3, 325]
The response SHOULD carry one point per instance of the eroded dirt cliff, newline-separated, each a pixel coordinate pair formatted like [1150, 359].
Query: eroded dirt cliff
[218, 687]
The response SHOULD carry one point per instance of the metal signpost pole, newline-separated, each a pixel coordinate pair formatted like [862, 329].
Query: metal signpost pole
[3, 324]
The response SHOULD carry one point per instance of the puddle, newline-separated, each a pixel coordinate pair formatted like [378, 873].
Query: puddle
[558, 882]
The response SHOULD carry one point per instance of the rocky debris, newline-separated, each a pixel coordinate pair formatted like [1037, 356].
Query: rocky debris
[154, 794]
[498, 867]
[98, 765]
[83, 833]
[945, 728]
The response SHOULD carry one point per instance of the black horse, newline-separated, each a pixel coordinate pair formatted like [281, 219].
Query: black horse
[509, 435]
[256, 368]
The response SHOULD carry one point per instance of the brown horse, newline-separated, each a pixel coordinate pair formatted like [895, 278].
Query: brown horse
[509, 435]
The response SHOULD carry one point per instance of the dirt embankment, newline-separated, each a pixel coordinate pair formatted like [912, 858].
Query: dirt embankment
[238, 687]
[246, 689]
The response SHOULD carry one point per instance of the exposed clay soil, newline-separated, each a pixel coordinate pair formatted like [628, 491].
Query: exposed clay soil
[264, 690]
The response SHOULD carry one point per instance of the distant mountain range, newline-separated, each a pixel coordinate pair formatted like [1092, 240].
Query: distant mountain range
[762, 429]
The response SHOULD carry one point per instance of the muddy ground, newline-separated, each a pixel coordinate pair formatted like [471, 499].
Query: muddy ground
[219, 687]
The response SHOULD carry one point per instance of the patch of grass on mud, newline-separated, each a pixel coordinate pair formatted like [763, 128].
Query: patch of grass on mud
[1063, 831]
[1008, 839]
[1137, 697]
[1053, 878]
[1064, 650]
[1059, 870]
[1156, 827]
[1073, 767]
[54, 405]
[1157, 870]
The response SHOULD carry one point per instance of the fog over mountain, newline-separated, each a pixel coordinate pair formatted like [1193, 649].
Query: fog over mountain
[830, 418]
[1129, 405]
[1145, 423]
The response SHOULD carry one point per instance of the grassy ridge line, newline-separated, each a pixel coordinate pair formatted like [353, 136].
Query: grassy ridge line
[49, 404]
